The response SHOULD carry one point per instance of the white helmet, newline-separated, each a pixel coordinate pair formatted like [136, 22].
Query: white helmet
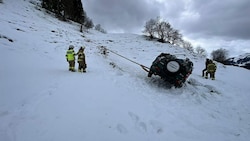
[71, 46]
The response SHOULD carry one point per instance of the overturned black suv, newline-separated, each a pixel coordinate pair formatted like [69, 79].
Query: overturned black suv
[173, 70]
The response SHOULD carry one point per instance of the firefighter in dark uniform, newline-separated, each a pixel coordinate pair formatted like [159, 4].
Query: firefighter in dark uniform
[204, 70]
[211, 69]
[81, 60]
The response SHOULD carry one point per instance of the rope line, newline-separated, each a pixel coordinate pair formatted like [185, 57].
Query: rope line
[143, 67]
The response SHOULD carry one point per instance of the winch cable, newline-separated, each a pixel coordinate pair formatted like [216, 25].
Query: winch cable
[143, 67]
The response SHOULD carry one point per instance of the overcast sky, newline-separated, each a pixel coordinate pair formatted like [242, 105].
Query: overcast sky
[211, 24]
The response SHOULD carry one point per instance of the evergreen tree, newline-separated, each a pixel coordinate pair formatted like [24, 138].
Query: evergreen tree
[66, 9]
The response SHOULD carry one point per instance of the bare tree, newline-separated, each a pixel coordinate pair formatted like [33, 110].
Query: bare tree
[219, 55]
[150, 28]
[175, 37]
[201, 51]
[188, 46]
[163, 31]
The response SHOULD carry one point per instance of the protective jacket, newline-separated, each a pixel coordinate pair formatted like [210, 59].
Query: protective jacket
[81, 56]
[211, 67]
[70, 55]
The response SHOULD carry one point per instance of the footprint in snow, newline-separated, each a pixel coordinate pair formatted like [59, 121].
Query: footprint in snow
[122, 129]
[142, 126]
[138, 124]
[157, 126]
[133, 116]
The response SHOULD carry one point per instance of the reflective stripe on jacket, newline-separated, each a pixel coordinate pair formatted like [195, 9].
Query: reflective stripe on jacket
[70, 55]
[81, 56]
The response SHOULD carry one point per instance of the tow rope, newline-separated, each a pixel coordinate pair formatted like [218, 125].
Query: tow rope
[104, 51]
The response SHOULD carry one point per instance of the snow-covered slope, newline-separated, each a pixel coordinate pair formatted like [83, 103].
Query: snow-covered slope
[115, 100]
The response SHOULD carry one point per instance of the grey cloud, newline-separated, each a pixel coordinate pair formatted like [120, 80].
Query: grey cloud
[202, 21]
[124, 15]
[227, 19]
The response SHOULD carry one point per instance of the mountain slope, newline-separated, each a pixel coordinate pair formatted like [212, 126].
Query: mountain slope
[115, 100]
[242, 61]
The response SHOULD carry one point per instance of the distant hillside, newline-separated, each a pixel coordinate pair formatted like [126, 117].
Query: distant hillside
[241, 61]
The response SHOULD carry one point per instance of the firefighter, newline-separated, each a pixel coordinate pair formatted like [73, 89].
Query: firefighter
[70, 56]
[211, 69]
[81, 60]
[204, 70]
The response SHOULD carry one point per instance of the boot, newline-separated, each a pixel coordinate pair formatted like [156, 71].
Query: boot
[73, 69]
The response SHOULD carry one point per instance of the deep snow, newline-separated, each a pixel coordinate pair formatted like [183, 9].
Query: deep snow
[115, 100]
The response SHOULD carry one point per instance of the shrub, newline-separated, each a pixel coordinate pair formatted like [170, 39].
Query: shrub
[219, 55]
